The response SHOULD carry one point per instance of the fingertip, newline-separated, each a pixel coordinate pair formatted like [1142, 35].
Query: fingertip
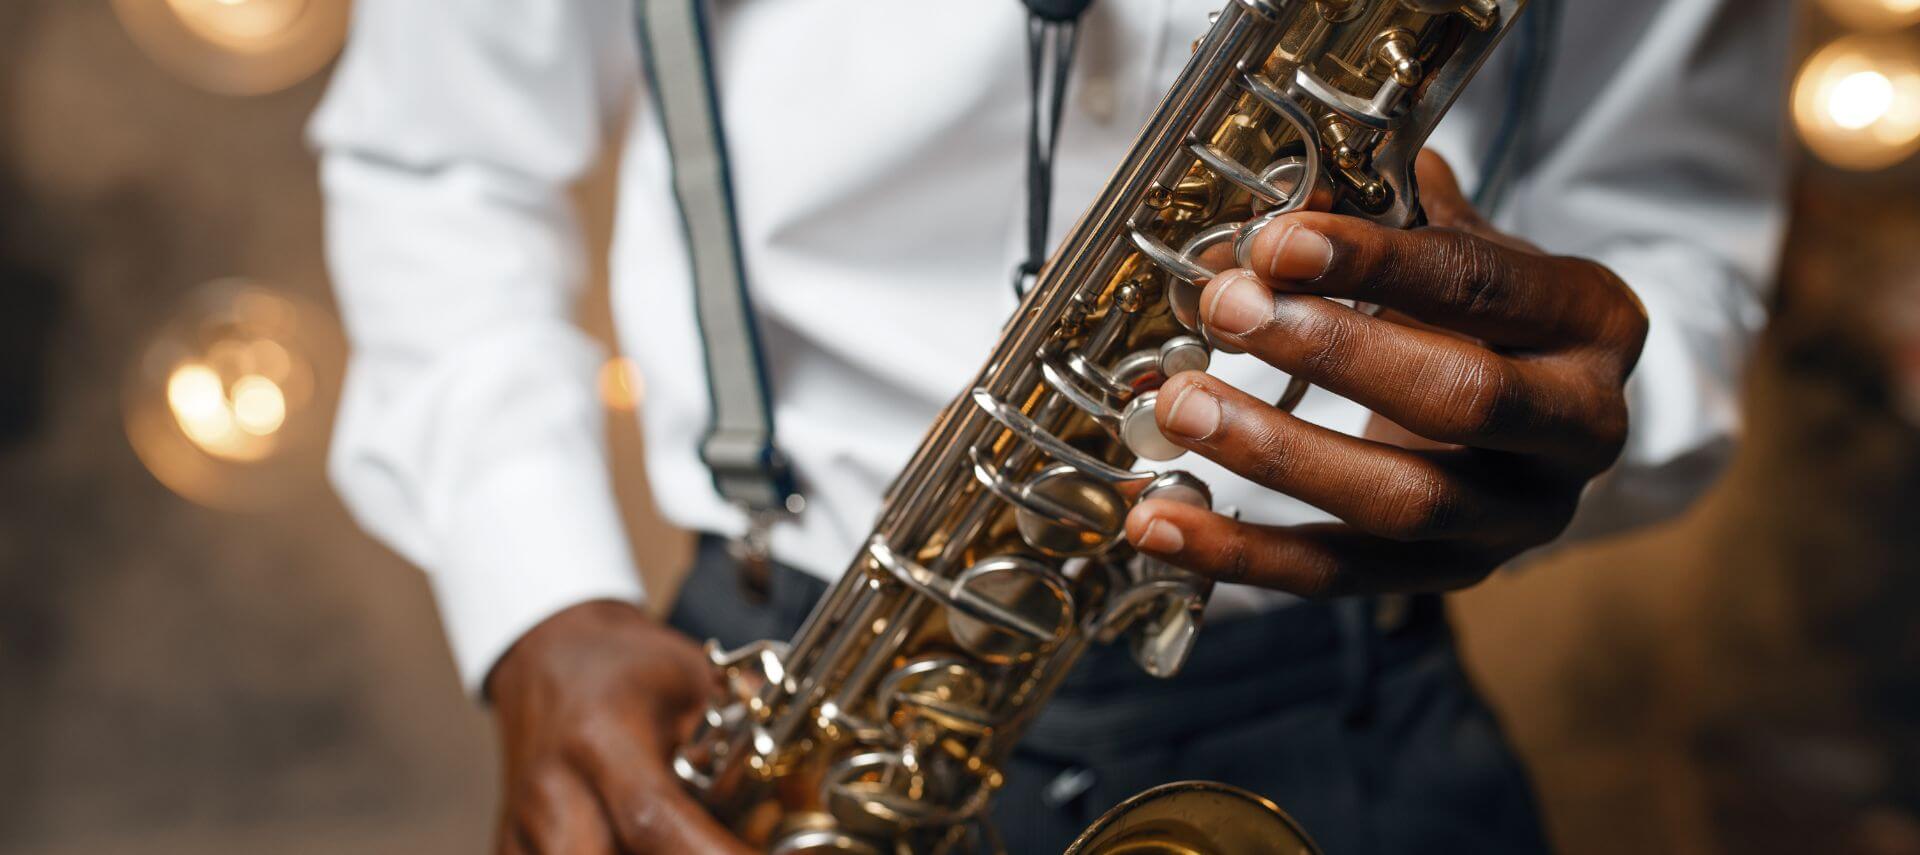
[1236, 303]
[1152, 527]
[1173, 388]
[1292, 248]
[1138, 519]
[1220, 283]
[1217, 256]
[1431, 165]
[1194, 413]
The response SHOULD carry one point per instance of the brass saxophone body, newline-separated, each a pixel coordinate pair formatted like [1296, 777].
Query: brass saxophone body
[998, 555]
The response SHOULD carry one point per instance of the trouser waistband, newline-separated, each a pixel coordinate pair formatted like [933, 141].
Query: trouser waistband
[1244, 666]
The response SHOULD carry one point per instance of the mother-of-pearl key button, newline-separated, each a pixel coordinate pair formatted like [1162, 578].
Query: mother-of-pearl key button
[1142, 435]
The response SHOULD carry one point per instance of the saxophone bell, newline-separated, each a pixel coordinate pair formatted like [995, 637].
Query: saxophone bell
[1193, 817]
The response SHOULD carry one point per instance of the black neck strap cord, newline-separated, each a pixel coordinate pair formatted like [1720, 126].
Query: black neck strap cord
[1512, 150]
[739, 449]
[1052, 33]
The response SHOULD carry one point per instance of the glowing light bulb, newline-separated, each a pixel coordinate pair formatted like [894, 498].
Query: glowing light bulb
[225, 404]
[237, 47]
[1860, 99]
[1856, 102]
[239, 24]
[229, 422]
[199, 402]
[258, 406]
[1874, 14]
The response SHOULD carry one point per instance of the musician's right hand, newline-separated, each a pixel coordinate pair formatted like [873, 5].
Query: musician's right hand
[589, 705]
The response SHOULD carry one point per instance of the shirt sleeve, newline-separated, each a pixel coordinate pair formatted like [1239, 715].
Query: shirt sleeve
[469, 437]
[1662, 153]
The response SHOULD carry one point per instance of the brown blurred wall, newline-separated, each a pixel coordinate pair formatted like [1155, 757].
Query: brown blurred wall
[174, 678]
[178, 679]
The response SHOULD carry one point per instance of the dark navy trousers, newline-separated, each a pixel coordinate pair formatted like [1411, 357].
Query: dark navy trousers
[1355, 718]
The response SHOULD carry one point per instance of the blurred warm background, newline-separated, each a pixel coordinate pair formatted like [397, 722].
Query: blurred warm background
[200, 653]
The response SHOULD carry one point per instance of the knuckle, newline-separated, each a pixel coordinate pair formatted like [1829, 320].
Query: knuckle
[1485, 399]
[1635, 326]
[1490, 398]
[579, 746]
[1420, 506]
[1595, 432]
[531, 801]
[1471, 270]
[1639, 323]
[1236, 561]
[1611, 426]
[1627, 322]
[514, 838]
[1269, 462]
[525, 794]
[1320, 580]
[1326, 340]
[641, 825]
[1395, 259]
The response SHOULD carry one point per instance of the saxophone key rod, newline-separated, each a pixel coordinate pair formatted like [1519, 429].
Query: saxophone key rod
[997, 555]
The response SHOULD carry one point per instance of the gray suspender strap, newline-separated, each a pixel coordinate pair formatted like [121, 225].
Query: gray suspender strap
[748, 470]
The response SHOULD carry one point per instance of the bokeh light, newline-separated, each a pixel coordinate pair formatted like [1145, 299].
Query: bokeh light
[1860, 99]
[237, 47]
[223, 403]
[239, 24]
[1874, 14]
[234, 421]
[621, 387]
[1857, 101]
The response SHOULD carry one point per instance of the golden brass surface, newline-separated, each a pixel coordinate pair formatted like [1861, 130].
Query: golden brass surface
[1194, 818]
[999, 555]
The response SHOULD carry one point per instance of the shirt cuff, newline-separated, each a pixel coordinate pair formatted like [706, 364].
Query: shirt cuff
[1703, 318]
[1683, 399]
[533, 538]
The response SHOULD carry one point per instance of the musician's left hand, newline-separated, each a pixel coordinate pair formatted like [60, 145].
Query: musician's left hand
[1509, 362]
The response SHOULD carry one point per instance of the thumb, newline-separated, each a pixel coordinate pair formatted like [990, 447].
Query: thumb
[1440, 194]
[1448, 207]
[649, 809]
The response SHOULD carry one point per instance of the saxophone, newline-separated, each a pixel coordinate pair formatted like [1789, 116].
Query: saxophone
[998, 555]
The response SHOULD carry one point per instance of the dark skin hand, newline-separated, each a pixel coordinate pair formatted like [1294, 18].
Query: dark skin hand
[589, 705]
[1497, 374]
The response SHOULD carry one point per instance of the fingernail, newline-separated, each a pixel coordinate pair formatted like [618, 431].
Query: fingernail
[1239, 305]
[1297, 253]
[1161, 536]
[1195, 413]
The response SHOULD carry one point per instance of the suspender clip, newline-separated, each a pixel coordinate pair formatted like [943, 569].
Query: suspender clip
[753, 549]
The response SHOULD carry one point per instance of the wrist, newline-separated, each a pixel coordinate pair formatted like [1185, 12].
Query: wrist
[592, 622]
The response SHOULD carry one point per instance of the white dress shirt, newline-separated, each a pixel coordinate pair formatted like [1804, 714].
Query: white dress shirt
[878, 163]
